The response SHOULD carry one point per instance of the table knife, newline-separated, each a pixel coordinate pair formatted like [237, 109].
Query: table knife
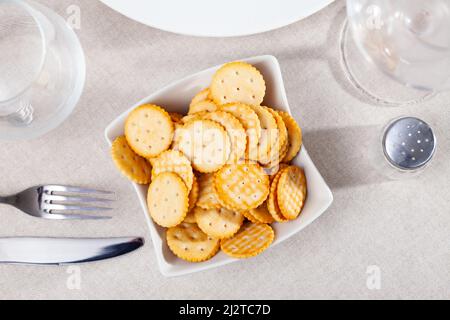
[62, 251]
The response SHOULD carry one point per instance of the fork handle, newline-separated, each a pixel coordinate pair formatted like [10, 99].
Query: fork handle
[8, 200]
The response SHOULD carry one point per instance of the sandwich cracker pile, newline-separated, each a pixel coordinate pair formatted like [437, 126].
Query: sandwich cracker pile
[220, 175]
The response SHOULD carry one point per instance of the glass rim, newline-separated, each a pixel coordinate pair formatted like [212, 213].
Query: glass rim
[442, 48]
[32, 13]
[344, 37]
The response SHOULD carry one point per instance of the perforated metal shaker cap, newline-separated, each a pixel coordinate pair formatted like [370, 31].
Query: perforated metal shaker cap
[409, 143]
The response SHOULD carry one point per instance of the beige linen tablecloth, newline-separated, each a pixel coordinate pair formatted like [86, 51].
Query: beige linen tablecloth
[397, 230]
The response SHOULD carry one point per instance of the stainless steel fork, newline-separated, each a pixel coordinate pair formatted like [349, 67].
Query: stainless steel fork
[55, 202]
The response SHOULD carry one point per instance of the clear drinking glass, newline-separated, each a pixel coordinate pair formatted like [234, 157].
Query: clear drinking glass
[42, 69]
[408, 41]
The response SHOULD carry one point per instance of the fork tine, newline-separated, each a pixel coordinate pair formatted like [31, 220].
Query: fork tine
[71, 199]
[61, 207]
[58, 188]
[60, 216]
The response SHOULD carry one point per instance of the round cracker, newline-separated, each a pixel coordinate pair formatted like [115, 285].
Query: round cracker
[272, 201]
[250, 241]
[174, 161]
[218, 223]
[235, 131]
[202, 106]
[207, 197]
[195, 116]
[284, 152]
[205, 143]
[201, 96]
[188, 242]
[238, 82]
[250, 121]
[250, 217]
[193, 194]
[291, 192]
[178, 127]
[149, 130]
[167, 199]
[276, 160]
[190, 218]
[277, 157]
[294, 134]
[269, 140]
[272, 172]
[133, 166]
[176, 117]
[262, 214]
[241, 186]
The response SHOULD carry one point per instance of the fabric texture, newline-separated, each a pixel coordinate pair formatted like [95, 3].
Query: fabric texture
[398, 230]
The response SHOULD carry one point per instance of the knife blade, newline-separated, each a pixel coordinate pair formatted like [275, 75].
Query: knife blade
[63, 251]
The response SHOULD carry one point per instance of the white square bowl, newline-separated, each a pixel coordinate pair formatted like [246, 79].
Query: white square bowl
[176, 98]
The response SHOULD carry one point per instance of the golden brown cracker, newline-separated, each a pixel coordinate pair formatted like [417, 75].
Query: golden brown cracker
[174, 161]
[218, 223]
[238, 82]
[190, 218]
[269, 140]
[235, 131]
[201, 96]
[294, 136]
[167, 199]
[202, 106]
[188, 242]
[242, 186]
[193, 194]
[205, 143]
[176, 117]
[291, 192]
[272, 201]
[133, 166]
[262, 214]
[250, 121]
[207, 197]
[149, 130]
[250, 241]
